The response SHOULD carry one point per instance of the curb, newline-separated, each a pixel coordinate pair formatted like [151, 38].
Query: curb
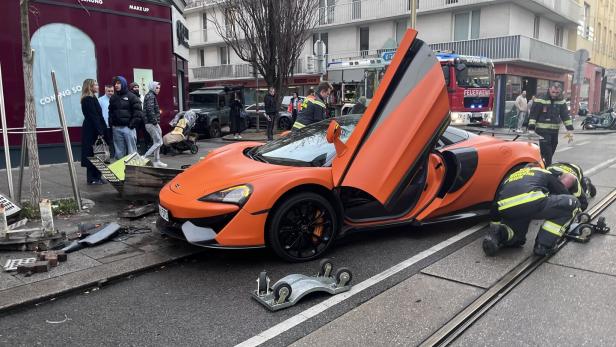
[38, 291]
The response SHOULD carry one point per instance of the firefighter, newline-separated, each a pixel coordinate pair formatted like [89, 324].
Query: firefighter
[315, 108]
[527, 194]
[583, 188]
[545, 117]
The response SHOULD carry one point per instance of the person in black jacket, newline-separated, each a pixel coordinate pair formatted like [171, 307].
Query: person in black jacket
[270, 112]
[151, 119]
[236, 116]
[93, 127]
[125, 113]
[527, 194]
[315, 109]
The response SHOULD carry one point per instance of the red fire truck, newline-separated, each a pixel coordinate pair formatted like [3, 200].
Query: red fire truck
[470, 83]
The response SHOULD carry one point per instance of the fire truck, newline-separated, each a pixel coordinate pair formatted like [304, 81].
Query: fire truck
[470, 85]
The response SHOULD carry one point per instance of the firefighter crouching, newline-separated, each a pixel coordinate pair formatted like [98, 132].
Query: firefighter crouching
[527, 194]
[583, 189]
[314, 110]
[545, 117]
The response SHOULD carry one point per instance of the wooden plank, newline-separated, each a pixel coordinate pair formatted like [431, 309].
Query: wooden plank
[145, 182]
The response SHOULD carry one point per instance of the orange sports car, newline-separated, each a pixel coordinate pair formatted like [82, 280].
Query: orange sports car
[397, 163]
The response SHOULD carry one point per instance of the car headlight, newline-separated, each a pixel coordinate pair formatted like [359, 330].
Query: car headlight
[235, 195]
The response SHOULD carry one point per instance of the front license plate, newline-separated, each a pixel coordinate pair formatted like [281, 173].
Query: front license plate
[164, 213]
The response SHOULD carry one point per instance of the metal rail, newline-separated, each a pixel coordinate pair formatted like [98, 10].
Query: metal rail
[456, 326]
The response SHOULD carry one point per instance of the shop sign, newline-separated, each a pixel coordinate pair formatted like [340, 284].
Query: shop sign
[139, 8]
[181, 33]
[97, 2]
[388, 56]
[68, 92]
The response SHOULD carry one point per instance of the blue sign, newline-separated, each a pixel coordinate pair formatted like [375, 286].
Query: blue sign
[388, 56]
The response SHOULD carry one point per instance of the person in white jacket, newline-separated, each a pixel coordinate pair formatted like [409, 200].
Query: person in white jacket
[521, 105]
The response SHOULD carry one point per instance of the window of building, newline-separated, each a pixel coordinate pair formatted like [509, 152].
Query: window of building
[356, 14]
[536, 25]
[466, 25]
[558, 36]
[326, 11]
[586, 24]
[364, 40]
[224, 55]
[204, 21]
[202, 57]
[71, 54]
[400, 30]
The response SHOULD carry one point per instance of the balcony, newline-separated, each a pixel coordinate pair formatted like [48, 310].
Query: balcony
[237, 71]
[513, 48]
[353, 11]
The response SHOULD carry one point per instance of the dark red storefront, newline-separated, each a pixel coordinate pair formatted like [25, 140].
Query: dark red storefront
[89, 39]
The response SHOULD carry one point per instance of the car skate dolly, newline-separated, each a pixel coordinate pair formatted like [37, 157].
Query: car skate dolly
[581, 228]
[292, 288]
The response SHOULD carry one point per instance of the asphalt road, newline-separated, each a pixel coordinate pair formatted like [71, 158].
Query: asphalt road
[206, 300]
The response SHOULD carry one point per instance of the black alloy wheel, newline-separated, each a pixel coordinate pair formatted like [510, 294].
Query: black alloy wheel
[284, 123]
[303, 227]
[215, 131]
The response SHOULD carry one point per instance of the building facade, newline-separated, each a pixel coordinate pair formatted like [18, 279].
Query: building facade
[531, 42]
[99, 39]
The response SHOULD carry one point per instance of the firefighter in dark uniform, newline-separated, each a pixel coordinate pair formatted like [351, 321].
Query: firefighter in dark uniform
[583, 187]
[545, 117]
[314, 110]
[527, 194]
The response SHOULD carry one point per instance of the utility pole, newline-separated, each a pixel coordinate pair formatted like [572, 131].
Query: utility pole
[414, 14]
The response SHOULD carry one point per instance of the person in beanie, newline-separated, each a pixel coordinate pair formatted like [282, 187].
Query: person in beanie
[151, 118]
[545, 118]
[125, 112]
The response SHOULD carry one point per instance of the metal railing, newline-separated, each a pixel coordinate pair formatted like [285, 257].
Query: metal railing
[352, 55]
[232, 71]
[516, 47]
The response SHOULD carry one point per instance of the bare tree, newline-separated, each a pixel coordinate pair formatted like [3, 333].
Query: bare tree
[30, 112]
[269, 34]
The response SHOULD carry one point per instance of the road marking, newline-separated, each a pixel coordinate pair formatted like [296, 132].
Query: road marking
[599, 167]
[582, 143]
[563, 149]
[356, 289]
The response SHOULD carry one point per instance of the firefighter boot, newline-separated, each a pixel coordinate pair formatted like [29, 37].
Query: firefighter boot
[497, 235]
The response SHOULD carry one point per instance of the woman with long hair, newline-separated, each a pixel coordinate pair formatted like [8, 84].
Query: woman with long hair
[93, 127]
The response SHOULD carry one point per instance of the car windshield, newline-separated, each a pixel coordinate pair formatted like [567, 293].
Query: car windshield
[197, 100]
[474, 76]
[307, 146]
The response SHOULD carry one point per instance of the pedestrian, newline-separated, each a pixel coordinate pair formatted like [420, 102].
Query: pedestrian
[545, 118]
[359, 107]
[151, 110]
[124, 109]
[235, 113]
[92, 128]
[309, 96]
[142, 137]
[531, 193]
[134, 88]
[521, 105]
[315, 110]
[104, 102]
[295, 105]
[270, 112]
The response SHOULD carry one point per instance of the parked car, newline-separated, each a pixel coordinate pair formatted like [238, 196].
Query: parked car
[299, 193]
[211, 106]
[284, 121]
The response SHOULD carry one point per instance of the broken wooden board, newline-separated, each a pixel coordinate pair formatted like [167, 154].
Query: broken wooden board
[145, 182]
[138, 211]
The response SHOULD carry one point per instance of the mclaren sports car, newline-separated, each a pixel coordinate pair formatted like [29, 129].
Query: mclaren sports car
[397, 163]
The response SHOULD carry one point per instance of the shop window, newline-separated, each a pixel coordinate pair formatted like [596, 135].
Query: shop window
[71, 54]
[466, 25]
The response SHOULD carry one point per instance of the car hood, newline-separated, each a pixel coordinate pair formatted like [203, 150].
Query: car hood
[222, 168]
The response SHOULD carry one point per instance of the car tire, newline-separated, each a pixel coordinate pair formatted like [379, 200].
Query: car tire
[284, 123]
[214, 130]
[303, 227]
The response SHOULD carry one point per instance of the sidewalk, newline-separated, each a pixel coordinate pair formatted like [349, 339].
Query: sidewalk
[125, 254]
[568, 300]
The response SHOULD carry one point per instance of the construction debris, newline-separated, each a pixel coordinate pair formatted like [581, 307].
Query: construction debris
[12, 264]
[32, 268]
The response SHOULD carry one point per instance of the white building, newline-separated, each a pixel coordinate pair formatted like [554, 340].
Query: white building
[527, 39]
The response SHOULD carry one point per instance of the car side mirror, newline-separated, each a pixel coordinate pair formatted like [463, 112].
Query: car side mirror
[333, 136]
